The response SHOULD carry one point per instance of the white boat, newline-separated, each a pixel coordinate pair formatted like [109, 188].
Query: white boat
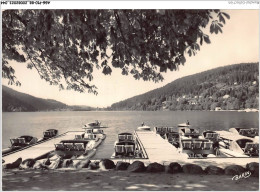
[183, 125]
[248, 132]
[95, 124]
[92, 133]
[144, 128]
[74, 147]
[235, 145]
[251, 110]
[82, 144]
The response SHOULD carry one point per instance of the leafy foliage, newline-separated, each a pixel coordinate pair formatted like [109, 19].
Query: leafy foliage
[232, 87]
[66, 45]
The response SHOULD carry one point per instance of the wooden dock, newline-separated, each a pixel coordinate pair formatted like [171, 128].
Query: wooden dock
[157, 148]
[153, 146]
[161, 151]
[39, 149]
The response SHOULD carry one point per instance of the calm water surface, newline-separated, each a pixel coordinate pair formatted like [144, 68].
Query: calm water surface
[34, 123]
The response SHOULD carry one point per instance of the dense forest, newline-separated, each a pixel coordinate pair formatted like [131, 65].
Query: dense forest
[233, 87]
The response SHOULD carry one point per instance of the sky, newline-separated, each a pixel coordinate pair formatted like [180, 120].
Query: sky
[239, 43]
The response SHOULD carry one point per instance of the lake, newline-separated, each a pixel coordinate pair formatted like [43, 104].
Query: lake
[34, 123]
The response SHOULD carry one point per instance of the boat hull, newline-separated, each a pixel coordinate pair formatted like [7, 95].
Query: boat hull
[91, 145]
[183, 125]
[7, 150]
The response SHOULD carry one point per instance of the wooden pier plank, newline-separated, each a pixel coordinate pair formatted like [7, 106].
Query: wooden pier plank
[157, 148]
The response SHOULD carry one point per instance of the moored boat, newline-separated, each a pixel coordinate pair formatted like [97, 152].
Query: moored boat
[211, 135]
[195, 147]
[168, 133]
[235, 145]
[173, 138]
[19, 143]
[144, 128]
[50, 133]
[183, 125]
[124, 146]
[82, 143]
[188, 141]
[91, 133]
[74, 147]
[194, 144]
[248, 132]
[189, 132]
[96, 124]
[164, 129]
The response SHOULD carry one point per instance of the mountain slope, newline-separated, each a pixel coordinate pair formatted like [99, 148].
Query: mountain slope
[230, 88]
[16, 101]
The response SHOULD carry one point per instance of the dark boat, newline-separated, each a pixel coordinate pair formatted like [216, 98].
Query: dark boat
[211, 135]
[168, 133]
[173, 138]
[162, 130]
[189, 132]
[23, 141]
[50, 133]
[248, 132]
[19, 143]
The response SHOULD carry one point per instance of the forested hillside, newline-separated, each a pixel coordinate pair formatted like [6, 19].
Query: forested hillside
[16, 101]
[231, 87]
